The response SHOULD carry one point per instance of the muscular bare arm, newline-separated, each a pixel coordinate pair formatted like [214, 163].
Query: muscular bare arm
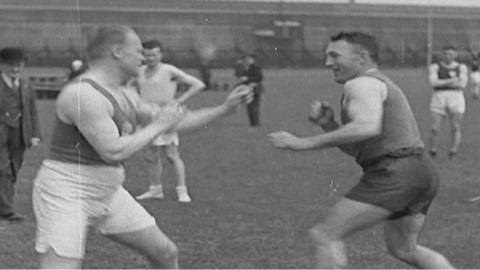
[195, 119]
[363, 100]
[194, 84]
[463, 77]
[199, 118]
[92, 113]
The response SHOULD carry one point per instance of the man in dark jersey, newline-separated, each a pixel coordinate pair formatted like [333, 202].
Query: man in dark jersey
[378, 129]
[448, 79]
[80, 184]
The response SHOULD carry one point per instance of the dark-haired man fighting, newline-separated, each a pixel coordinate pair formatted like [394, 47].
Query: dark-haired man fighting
[379, 130]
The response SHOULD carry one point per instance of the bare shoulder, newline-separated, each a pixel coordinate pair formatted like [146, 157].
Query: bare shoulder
[80, 98]
[433, 67]
[169, 67]
[175, 71]
[365, 83]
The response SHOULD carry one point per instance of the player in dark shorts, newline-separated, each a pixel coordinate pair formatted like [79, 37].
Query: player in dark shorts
[378, 128]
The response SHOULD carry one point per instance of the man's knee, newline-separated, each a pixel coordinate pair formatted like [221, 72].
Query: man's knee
[166, 254]
[329, 245]
[173, 157]
[404, 253]
[435, 129]
[455, 126]
[152, 156]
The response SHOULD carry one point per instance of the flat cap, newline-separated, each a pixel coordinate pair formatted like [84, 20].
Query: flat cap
[11, 55]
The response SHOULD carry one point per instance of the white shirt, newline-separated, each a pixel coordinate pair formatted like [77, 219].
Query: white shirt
[11, 82]
[160, 85]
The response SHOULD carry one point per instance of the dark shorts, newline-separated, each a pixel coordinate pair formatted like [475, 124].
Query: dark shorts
[403, 184]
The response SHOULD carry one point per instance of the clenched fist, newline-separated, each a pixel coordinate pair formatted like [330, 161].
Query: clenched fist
[321, 113]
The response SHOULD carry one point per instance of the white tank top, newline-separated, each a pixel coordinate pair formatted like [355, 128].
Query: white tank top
[160, 86]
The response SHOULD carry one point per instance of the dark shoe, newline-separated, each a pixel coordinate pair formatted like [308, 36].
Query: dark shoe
[13, 217]
[433, 154]
[452, 155]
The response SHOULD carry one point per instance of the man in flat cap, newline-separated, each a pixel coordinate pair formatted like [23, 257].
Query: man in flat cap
[19, 126]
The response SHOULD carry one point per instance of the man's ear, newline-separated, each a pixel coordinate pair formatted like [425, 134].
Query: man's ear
[117, 51]
[364, 55]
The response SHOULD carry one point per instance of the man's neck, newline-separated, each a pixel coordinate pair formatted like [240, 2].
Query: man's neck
[109, 77]
[451, 64]
[154, 68]
[369, 68]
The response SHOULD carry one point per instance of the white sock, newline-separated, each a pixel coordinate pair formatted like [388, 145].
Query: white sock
[182, 189]
[155, 187]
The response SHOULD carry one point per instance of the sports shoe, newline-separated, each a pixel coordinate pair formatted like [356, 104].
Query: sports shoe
[156, 193]
[183, 194]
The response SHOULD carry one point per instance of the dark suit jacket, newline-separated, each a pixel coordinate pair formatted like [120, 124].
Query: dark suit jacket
[254, 74]
[30, 124]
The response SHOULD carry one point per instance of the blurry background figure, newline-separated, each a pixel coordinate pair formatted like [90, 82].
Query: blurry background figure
[19, 126]
[76, 68]
[448, 79]
[240, 68]
[157, 83]
[253, 76]
[205, 73]
[475, 75]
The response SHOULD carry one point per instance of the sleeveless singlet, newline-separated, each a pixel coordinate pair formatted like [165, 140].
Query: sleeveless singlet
[447, 73]
[160, 86]
[68, 143]
[399, 127]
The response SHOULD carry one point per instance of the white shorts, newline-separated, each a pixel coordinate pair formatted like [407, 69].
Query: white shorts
[444, 102]
[166, 139]
[67, 198]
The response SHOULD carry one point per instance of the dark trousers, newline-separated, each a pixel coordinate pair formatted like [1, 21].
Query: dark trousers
[253, 109]
[12, 149]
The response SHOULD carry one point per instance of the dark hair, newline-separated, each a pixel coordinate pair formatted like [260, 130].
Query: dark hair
[449, 48]
[366, 41]
[152, 44]
[104, 38]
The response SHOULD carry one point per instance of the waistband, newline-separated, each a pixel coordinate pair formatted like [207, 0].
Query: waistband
[396, 153]
[447, 89]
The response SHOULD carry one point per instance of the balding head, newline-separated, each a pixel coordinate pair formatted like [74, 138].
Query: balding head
[105, 38]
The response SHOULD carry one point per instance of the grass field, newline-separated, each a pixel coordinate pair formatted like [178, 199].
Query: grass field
[253, 204]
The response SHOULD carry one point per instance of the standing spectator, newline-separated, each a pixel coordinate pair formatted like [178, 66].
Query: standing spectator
[205, 73]
[19, 127]
[475, 75]
[253, 76]
[240, 67]
[448, 79]
[157, 83]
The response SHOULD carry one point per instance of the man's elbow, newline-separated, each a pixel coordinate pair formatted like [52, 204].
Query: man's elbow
[369, 130]
[113, 157]
[199, 86]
